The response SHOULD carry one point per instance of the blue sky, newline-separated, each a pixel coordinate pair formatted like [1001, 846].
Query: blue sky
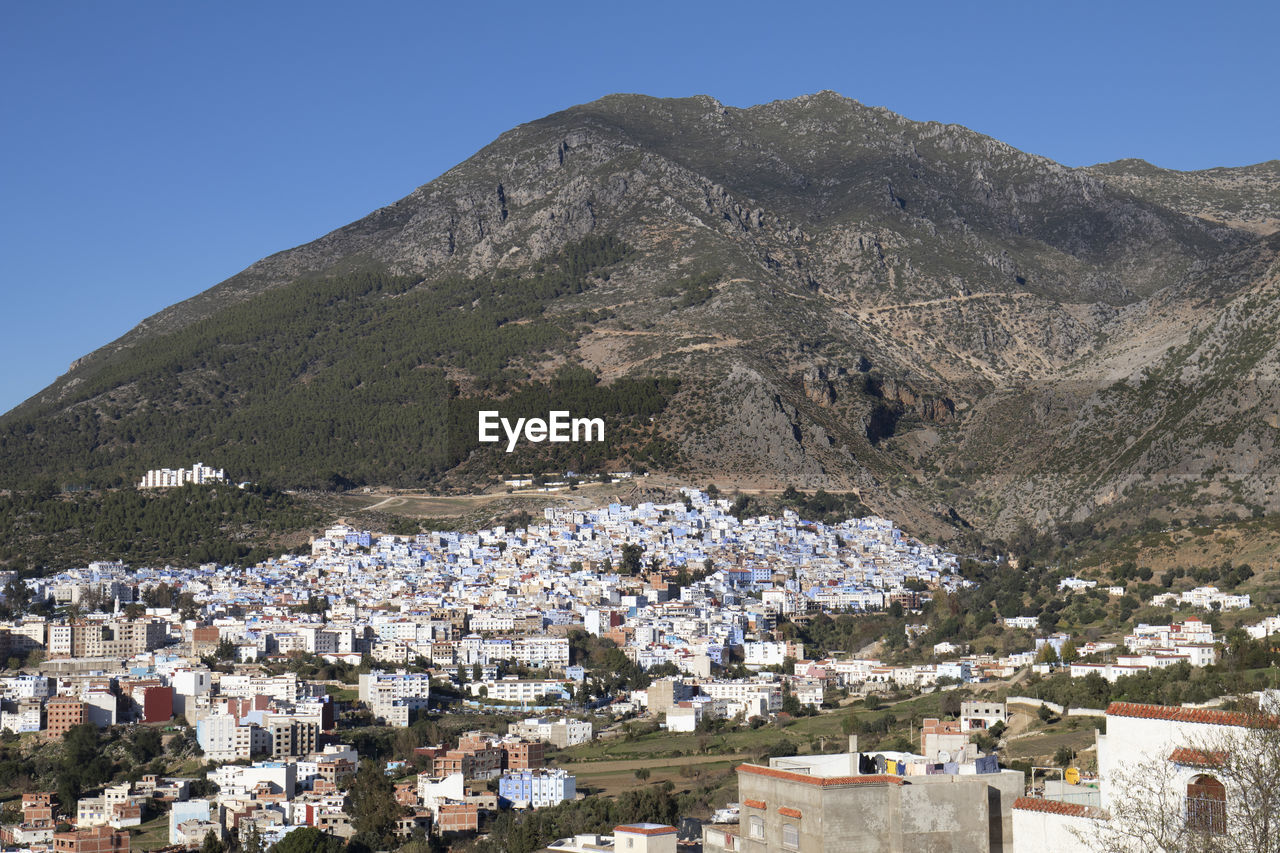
[152, 149]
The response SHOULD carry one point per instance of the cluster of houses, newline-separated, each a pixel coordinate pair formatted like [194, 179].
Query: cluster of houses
[1155, 775]
[167, 478]
[685, 585]
[1204, 597]
[286, 792]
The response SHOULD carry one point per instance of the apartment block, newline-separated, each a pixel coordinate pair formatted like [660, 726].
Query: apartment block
[63, 713]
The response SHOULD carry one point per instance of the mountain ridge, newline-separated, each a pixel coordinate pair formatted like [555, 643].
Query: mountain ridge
[856, 292]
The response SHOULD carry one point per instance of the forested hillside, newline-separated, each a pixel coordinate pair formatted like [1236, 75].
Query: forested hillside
[358, 376]
[42, 530]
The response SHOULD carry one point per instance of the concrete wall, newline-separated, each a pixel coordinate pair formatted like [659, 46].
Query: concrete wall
[1042, 832]
[858, 819]
[1002, 789]
[944, 813]
[1034, 703]
[941, 814]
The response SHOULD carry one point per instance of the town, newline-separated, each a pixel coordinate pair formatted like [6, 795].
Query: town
[542, 639]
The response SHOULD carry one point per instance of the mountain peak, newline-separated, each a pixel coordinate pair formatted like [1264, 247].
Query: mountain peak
[847, 298]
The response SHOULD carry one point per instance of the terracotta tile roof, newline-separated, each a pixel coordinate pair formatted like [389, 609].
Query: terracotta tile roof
[1189, 715]
[820, 781]
[1035, 804]
[789, 812]
[1197, 757]
[754, 804]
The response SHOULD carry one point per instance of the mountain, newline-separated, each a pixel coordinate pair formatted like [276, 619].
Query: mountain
[809, 291]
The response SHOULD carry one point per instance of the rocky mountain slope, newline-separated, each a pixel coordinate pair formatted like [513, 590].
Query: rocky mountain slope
[809, 291]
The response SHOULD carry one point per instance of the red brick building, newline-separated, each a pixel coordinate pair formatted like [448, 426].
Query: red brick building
[62, 713]
[39, 807]
[99, 839]
[477, 757]
[204, 641]
[454, 817]
[407, 793]
[523, 755]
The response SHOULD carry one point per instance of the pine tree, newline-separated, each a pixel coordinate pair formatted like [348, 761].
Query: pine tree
[212, 843]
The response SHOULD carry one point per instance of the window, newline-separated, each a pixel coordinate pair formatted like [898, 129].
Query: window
[1207, 806]
[790, 836]
[755, 826]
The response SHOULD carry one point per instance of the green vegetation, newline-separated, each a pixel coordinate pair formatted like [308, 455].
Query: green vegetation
[824, 507]
[307, 840]
[151, 835]
[360, 376]
[373, 807]
[87, 758]
[610, 669]
[691, 291]
[1246, 665]
[186, 526]
[524, 833]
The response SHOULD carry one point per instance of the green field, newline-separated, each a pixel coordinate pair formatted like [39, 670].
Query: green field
[823, 733]
[151, 835]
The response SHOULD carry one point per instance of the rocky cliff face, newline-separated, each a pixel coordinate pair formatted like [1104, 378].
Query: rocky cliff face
[852, 300]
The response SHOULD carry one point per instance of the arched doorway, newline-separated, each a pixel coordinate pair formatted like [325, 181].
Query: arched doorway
[1207, 805]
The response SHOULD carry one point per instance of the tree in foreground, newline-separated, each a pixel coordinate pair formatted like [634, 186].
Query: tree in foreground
[212, 843]
[307, 840]
[372, 802]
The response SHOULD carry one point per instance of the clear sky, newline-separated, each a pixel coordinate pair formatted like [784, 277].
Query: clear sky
[152, 149]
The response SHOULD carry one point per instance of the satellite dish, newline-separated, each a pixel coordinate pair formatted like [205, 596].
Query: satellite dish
[943, 756]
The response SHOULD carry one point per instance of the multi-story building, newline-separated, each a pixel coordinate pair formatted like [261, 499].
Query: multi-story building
[166, 478]
[524, 754]
[819, 803]
[550, 652]
[742, 692]
[62, 713]
[154, 702]
[60, 640]
[472, 762]
[40, 806]
[561, 733]
[517, 690]
[223, 738]
[979, 716]
[1160, 769]
[381, 688]
[536, 788]
[457, 817]
[115, 638]
[99, 839]
[292, 738]
[25, 717]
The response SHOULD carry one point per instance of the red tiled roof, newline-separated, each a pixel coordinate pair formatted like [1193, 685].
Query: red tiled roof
[754, 804]
[1197, 757]
[1189, 715]
[819, 781]
[1035, 804]
[789, 812]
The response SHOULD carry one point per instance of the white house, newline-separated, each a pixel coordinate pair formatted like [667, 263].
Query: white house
[1153, 760]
